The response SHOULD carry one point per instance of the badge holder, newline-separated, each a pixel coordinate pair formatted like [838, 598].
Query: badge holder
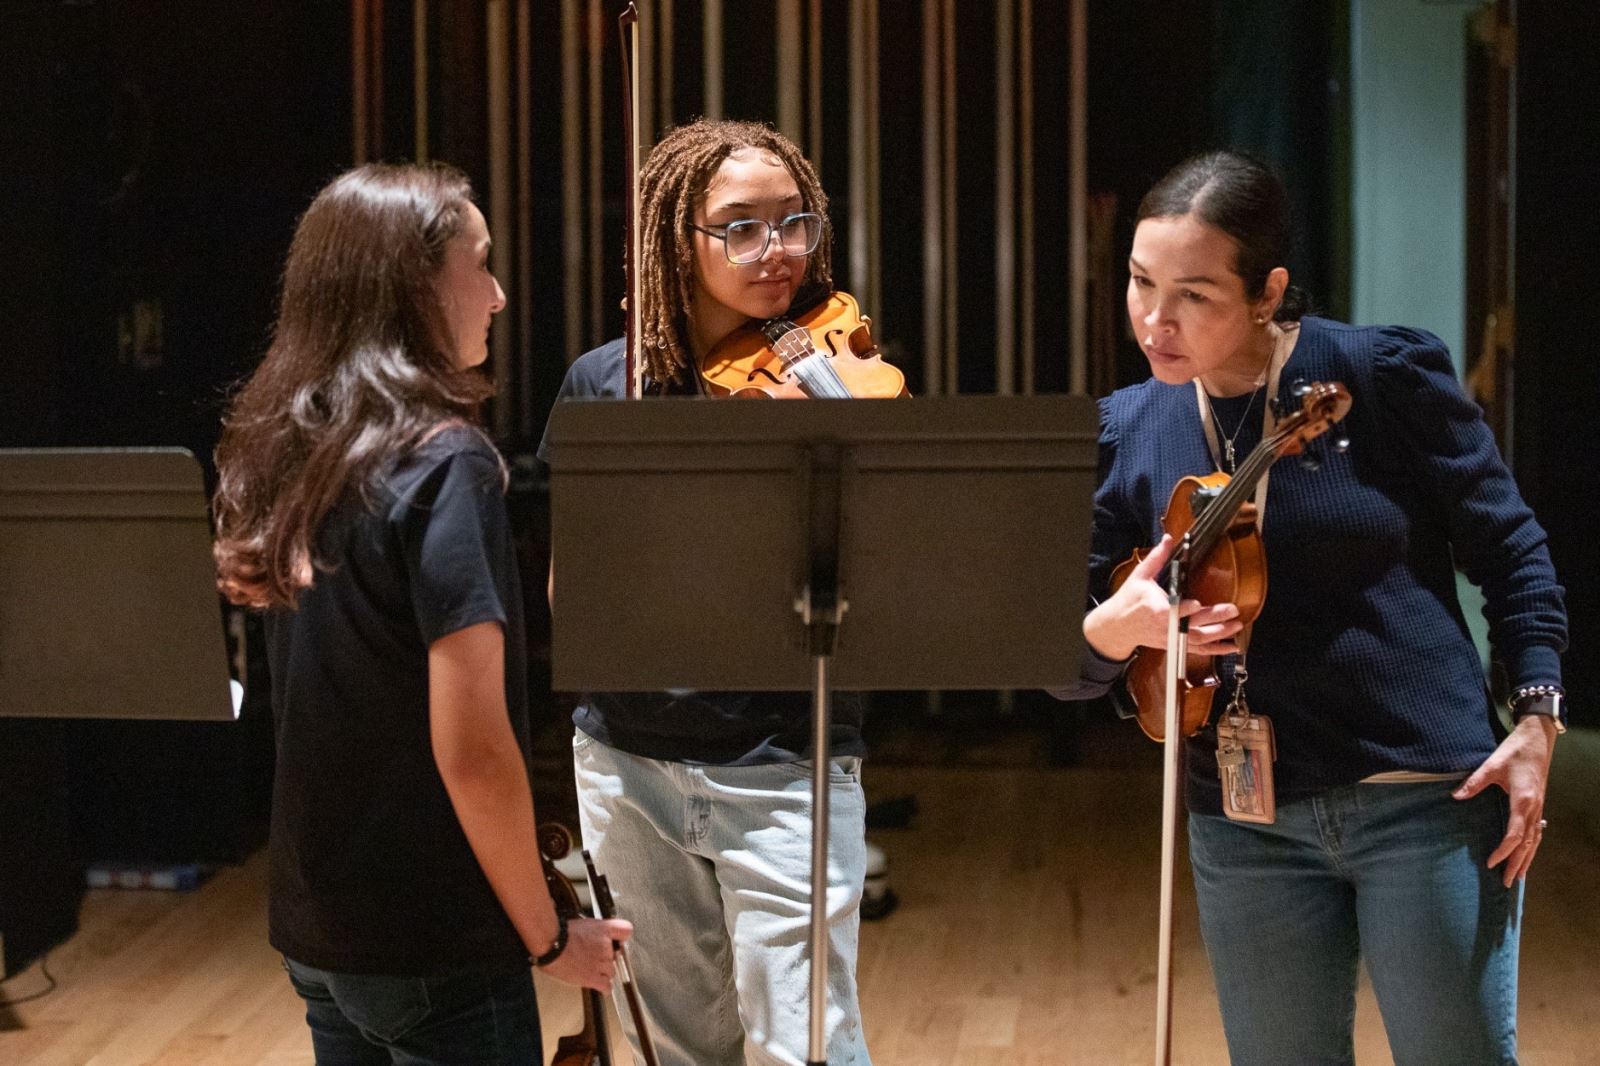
[1246, 750]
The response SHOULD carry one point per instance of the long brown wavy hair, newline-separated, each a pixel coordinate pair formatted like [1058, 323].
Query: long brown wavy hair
[358, 372]
[673, 181]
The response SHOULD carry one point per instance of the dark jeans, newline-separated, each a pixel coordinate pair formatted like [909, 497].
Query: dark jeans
[474, 1018]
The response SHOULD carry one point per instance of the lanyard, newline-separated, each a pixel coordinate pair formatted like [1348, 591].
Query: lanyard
[1282, 348]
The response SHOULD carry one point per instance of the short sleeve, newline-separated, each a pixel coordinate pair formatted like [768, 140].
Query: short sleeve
[456, 536]
[1450, 452]
[595, 375]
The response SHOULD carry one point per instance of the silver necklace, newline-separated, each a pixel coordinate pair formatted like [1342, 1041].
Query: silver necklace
[1229, 438]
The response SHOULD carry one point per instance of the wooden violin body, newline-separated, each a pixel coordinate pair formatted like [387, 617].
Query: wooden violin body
[1213, 523]
[1234, 571]
[589, 1046]
[823, 351]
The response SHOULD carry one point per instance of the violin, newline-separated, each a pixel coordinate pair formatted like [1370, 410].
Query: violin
[589, 1046]
[824, 350]
[1213, 522]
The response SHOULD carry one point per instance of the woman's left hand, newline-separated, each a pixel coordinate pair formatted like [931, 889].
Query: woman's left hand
[1520, 765]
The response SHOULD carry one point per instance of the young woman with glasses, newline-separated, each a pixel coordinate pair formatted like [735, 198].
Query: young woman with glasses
[698, 804]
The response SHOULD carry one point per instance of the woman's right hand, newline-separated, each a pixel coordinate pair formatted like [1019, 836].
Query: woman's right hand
[1135, 616]
[590, 958]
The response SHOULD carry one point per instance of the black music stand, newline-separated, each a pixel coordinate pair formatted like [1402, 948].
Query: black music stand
[954, 530]
[108, 609]
[108, 596]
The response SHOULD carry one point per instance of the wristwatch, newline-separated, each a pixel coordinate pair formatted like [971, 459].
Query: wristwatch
[1550, 701]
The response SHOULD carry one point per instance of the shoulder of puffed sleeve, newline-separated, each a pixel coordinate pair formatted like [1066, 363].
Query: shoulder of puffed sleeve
[1109, 434]
[1454, 462]
[1415, 366]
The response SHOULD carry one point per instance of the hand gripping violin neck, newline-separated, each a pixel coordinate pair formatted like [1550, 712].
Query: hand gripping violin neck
[1224, 561]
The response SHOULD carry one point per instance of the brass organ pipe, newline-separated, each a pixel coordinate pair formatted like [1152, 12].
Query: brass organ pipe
[645, 73]
[664, 7]
[1025, 81]
[496, 16]
[858, 152]
[1078, 199]
[711, 35]
[1005, 206]
[952, 322]
[358, 81]
[524, 249]
[932, 205]
[375, 91]
[572, 285]
[874, 168]
[419, 80]
[786, 32]
[814, 83]
[596, 165]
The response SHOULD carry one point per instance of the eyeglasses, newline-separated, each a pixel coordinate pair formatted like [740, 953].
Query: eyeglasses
[747, 239]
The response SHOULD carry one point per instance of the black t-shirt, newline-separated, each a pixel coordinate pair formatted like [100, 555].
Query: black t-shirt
[370, 871]
[717, 728]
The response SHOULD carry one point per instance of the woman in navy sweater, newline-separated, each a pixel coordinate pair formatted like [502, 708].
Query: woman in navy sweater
[1407, 817]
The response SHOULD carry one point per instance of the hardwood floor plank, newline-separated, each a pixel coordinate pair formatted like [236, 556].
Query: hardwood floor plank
[1026, 933]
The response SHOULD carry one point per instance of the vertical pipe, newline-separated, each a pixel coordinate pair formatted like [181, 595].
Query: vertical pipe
[814, 83]
[786, 33]
[358, 81]
[1025, 194]
[596, 166]
[572, 286]
[645, 72]
[1005, 201]
[524, 249]
[711, 31]
[667, 111]
[496, 17]
[858, 149]
[375, 90]
[419, 75]
[1078, 200]
[952, 322]
[932, 205]
[874, 167]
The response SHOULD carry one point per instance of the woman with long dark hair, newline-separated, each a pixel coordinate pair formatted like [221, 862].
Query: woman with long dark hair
[359, 505]
[1388, 843]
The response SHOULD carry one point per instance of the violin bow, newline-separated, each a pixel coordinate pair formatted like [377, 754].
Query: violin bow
[628, 23]
[606, 907]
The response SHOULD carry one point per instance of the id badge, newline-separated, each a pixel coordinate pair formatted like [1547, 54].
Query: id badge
[1245, 751]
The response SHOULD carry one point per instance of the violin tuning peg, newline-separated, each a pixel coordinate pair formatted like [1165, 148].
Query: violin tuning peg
[1300, 388]
[1341, 445]
[1310, 462]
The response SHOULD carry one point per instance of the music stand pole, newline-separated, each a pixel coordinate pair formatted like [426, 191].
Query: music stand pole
[821, 607]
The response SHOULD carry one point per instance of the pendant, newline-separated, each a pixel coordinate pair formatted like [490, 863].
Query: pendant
[1227, 454]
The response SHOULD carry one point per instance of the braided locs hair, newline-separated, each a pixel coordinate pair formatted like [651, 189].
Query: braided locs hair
[673, 181]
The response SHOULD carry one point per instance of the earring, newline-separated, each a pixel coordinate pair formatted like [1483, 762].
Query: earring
[1261, 320]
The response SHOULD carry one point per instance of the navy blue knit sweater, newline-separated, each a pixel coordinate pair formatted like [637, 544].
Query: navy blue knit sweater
[1361, 654]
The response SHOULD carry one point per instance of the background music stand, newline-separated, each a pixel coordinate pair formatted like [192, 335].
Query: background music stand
[108, 596]
[934, 543]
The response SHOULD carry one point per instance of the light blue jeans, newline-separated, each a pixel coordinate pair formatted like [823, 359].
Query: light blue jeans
[712, 864]
[1391, 873]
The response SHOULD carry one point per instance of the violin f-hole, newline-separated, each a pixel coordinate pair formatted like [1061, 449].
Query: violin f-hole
[766, 373]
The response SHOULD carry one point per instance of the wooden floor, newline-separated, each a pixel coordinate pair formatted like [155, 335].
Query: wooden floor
[1025, 934]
